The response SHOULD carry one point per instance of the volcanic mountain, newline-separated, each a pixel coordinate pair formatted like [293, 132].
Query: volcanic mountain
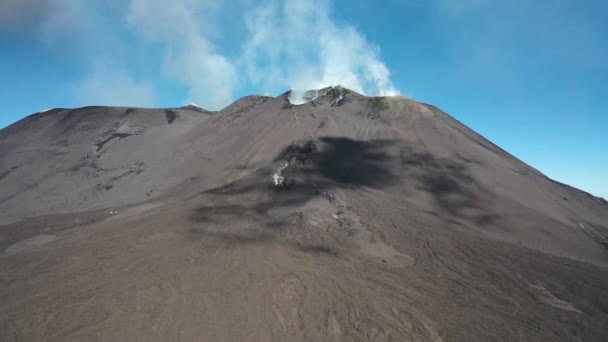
[330, 217]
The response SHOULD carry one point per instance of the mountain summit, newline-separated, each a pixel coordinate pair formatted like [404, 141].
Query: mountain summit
[317, 215]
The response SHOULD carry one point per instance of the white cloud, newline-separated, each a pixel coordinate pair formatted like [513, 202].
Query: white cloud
[114, 87]
[282, 44]
[83, 30]
[190, 57]
[21, 14]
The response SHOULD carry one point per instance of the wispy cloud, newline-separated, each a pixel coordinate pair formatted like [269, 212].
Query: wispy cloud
[87, 33]
[190, 56]
[115, 86]
[21, 14]
[283, 44]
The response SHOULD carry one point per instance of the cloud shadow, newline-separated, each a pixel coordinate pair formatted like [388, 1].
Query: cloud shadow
[455, 190]
[316, 168]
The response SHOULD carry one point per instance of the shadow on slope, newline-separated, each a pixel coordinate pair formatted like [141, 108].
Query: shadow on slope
[348, 162]
[454, 189]
[314, 169]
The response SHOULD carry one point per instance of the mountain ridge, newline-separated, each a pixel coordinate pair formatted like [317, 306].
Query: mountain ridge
[346, 217]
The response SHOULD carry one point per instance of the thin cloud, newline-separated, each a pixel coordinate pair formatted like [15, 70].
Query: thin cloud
[284, 44]
[86, 32]
[190, 57]
[17, 15]
[112, 86]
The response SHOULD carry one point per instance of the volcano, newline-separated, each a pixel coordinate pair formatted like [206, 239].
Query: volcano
[333, 217]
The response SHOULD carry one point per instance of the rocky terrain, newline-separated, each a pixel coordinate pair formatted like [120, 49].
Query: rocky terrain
[339, 218]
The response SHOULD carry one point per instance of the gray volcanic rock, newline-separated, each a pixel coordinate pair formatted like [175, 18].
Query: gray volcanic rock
[335, 216]
[70, 160]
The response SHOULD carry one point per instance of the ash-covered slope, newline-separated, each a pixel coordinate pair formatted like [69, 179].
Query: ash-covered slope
[66, 160]
[342, 218]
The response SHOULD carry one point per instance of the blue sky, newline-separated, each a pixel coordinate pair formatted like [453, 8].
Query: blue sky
[529, 75]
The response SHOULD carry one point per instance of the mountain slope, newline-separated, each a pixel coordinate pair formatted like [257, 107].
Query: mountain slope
[70, 160]
[344, 218]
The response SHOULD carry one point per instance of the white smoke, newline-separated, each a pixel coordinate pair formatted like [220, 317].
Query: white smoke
[277, 177]
[297, 44]
[298, 97]
[281, 45]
